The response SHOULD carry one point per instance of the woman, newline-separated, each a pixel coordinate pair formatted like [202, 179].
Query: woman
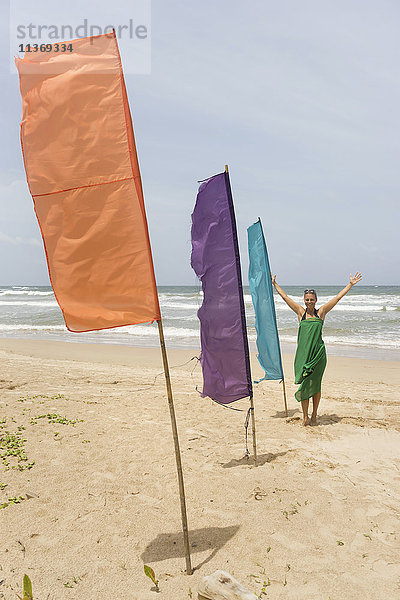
[310, 359]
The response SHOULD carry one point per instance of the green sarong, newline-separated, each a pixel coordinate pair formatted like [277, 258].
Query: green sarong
[310, 359]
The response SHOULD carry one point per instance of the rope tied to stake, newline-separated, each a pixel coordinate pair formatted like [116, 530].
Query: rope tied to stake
[246, 428]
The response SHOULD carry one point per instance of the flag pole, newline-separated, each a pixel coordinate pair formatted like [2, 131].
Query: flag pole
[284, 396]
[185, 529]
[253, 418]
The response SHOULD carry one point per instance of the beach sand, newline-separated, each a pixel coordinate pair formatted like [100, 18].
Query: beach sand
[317, 519]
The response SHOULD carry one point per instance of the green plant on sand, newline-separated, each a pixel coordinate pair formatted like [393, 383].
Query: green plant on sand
[148, 571]
[12, 449]
[27, 589]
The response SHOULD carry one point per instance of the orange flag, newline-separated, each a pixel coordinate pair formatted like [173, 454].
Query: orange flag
[83, 173]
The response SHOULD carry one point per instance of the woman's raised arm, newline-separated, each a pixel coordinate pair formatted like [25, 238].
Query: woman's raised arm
[299, 310]
[329, 305]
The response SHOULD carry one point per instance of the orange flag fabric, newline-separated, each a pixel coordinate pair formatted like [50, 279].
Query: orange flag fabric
[83, 173]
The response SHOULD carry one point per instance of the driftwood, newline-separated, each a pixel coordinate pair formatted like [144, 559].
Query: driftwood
[222, 586]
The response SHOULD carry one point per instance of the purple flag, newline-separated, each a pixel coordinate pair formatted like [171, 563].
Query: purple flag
[215, 259]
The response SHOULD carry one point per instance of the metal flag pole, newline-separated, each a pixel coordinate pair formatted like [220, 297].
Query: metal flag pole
[185, 529]
[284, 396]
[253, 418]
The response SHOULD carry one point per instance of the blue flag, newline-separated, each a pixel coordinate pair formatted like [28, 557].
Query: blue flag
[269, 352]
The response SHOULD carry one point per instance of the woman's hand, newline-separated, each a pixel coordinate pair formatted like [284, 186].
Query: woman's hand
[323, 310]
[273, 277]
[357, 277]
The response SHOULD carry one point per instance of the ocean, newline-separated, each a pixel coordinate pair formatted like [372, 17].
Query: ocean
[365, 323]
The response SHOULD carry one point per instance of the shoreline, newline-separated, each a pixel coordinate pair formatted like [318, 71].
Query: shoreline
[287, 348]
[123, 354]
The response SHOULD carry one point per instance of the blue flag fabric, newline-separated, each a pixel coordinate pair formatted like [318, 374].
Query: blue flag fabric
[215, 260]
[269, 352]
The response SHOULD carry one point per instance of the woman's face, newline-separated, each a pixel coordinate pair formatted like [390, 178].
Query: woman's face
[310, 301]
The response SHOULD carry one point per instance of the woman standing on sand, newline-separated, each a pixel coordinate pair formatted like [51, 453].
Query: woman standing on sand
[310, 359]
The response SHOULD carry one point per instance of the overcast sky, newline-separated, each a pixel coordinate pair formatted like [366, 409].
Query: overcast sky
[301, 99]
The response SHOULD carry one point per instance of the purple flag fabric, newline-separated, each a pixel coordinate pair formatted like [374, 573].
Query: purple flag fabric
[215, 259]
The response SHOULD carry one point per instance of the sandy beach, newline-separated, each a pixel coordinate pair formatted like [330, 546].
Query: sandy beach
[317, 519]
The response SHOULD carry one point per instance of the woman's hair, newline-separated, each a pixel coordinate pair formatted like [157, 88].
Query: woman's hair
[311, 291]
